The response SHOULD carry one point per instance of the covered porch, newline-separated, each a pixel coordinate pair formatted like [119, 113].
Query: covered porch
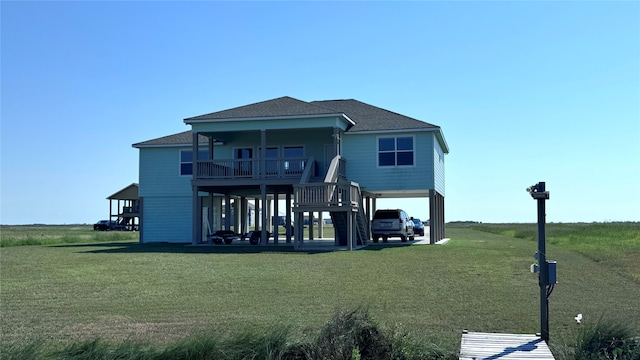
[125, 208]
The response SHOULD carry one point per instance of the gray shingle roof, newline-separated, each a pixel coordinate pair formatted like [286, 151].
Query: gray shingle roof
[366, 117]
[283, 106]
[183, 138]
[372, 118]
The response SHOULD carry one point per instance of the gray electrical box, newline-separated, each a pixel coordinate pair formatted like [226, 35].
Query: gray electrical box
[551, 271]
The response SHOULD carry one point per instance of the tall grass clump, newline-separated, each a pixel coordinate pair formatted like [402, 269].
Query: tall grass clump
[274, 344]
[353, 335]
[99, 349]
[603, 340]
[607, 340]
[22, 351]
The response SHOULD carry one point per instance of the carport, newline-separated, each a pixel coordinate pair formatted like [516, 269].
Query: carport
[433, 200]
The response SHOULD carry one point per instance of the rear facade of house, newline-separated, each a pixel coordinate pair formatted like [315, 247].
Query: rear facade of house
[291, 157]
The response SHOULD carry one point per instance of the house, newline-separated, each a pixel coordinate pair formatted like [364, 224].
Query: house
[331, 157]
[124, 208]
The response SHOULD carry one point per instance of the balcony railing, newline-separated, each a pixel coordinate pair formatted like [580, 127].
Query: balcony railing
[130, 209]
[337, 169]
[274, 168]
[326, 194]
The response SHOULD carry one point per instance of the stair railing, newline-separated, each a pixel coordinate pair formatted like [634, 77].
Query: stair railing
[306, 174]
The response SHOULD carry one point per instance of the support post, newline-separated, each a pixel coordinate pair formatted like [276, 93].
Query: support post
[227, 211]
[217, 214]
[196, 235]
[539, 193]
[336, 141]
[288, 216]
[256, 213]
[542, 261]
[237, 218]
[263, 154]
[196, 215]
[433, 217]
[442, 217]
[276, 214]
[210, 204]
[350, 230]
[263, 217]
[244, 214]
[299, 228]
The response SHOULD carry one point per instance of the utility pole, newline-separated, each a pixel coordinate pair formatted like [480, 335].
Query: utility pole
[545, 269]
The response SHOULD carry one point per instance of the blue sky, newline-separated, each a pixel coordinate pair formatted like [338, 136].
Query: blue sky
[524, 92]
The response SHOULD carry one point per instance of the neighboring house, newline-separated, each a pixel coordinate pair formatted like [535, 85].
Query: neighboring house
[126, 212]
[335, 156]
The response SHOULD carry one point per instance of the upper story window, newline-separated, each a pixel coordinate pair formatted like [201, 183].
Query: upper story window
[295, 153]
[243, 153]
[186, 160]
[395, 151]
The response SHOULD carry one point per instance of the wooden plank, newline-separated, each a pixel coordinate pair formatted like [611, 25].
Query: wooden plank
[494, 346]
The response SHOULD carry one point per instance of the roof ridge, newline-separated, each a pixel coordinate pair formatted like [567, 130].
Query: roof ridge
[386, 110]
[280, 106]
[314, 103]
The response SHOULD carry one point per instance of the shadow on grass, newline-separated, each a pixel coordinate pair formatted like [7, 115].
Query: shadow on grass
[131, 247]
[135, 247]
[385, 246]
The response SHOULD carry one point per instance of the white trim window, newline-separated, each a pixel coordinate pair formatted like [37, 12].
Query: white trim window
[294, 158]
[396, 151]
[186, 161]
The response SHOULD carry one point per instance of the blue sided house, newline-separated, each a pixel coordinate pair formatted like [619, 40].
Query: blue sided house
[293, 161]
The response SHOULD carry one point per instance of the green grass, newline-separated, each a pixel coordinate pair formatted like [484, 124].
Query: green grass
[23, 235]
[348, 335]
[615, 245]
[160, 293]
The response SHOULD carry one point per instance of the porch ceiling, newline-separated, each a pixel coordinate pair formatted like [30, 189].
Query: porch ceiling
[249, 191]
[216, 126]
[229, 136]
[397, 194]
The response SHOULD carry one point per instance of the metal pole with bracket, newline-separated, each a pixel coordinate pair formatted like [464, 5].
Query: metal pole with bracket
[546, 272]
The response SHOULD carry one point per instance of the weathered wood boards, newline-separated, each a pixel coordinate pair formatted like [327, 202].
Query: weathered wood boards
[490, 346]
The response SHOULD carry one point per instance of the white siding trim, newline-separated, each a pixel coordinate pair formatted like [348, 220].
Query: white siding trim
[391, 131]
[338, 115]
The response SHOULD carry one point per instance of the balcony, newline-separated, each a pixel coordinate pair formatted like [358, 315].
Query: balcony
[131, 210]
[326, 196]
[253, 169]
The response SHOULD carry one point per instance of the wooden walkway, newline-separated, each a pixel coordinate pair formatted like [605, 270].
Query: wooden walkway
[489, 346]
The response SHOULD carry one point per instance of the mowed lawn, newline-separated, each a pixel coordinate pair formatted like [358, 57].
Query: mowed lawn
[478, 281]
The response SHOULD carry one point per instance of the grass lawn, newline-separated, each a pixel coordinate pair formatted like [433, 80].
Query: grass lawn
[615, 245]
[21, 235]
[478, 281]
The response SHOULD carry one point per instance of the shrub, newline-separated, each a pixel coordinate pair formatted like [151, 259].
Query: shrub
[352, 334]
[607, 340]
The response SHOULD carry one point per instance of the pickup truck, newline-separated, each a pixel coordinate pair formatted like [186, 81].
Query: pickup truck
[104, 225]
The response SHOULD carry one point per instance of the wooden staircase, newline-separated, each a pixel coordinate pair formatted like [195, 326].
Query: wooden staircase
[340, 223]
[341, 198]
